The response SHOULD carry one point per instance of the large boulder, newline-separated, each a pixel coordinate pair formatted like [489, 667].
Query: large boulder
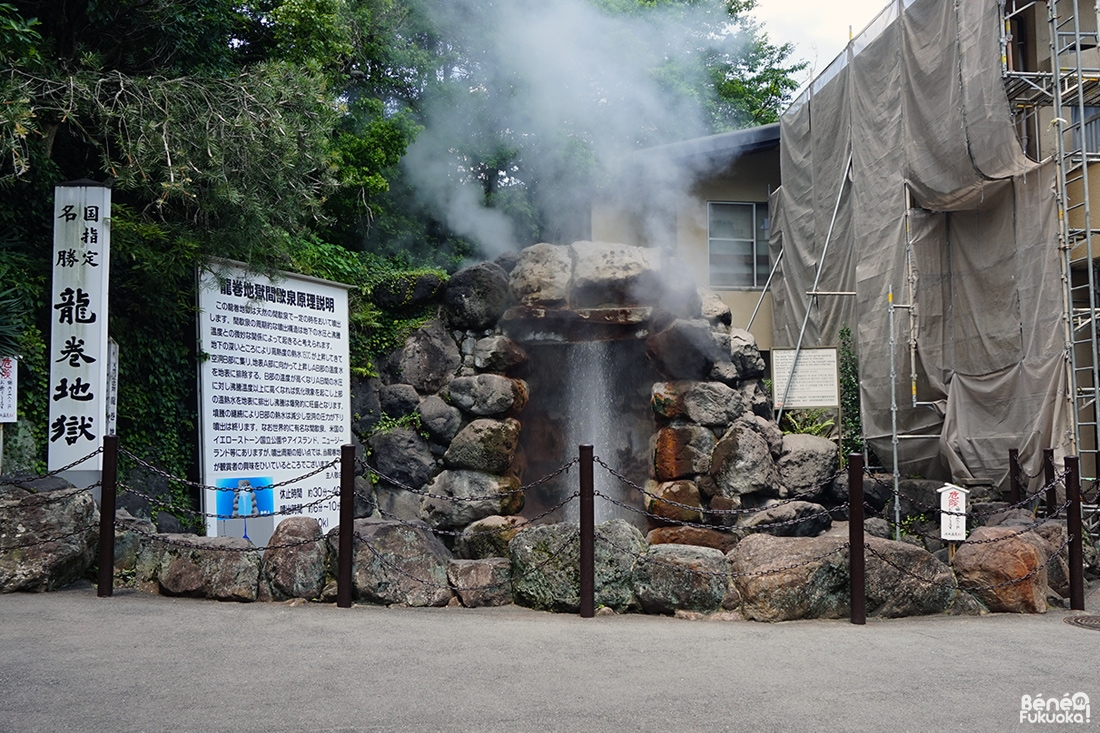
[685, 349]
[742, 464]
[295, 562]
[402, 456]
[542, 275]
[475, 297]
[904, 580]
[686, 506]
[808, 465]
[429, 359]
[131, 534]
[498, 354]
[606, 274]
[366, 408]
[790, 519]
[396, 563]
[713, 308]
[671, 578]
[744, 354]
[484, 445]
[712, 404]
[488, 537]
[47, 540]
[470, 496]
[408, 292]
[546, 565]
[398, 400]
[481, 582]
[221, 568]
[1005, 568]
[695, 536]
[785, 578]
[442, 421]
[682, 451]
[487, 394]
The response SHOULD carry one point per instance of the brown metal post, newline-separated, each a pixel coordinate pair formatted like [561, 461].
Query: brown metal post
[347, 526]
[1073, 527]
[1013, 476]
[107, 487]
[857, 561]
[588, 535]
[1048, 477]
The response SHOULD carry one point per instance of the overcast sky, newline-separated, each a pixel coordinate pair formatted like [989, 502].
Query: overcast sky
[818, 29]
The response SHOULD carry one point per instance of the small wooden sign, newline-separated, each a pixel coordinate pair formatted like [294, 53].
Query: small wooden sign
[953, 512]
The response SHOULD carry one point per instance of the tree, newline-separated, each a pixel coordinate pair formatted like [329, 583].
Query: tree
[533, 107]
[225, 128]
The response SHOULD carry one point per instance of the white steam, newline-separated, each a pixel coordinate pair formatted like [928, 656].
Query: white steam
[574, 90]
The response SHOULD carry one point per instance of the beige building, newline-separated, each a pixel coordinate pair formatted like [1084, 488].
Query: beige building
[709, 204]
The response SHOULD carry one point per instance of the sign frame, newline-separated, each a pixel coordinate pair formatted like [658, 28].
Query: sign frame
[816, 382]
[275, 397]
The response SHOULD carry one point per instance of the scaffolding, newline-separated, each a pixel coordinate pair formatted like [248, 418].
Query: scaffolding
[1056, 102]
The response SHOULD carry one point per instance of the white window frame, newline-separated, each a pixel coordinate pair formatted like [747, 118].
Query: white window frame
[760, 228]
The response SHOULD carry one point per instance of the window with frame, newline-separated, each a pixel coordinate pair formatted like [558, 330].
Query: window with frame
[737, 241]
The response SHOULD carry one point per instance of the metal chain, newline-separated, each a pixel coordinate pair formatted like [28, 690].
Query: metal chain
[928, 508]
[52, 497]
[442, 497]
[1026, 528]
[976, 589]
[198, 485]
[728, 573]
[193, 513]
[458, 533]
[162, 539]
[686, 523]
[623, 479]
[566, 543]
[48, 540]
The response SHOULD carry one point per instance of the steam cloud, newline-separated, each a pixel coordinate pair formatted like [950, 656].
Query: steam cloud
[574, 90]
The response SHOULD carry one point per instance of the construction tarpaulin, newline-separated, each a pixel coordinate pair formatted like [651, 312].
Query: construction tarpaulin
[902, 172]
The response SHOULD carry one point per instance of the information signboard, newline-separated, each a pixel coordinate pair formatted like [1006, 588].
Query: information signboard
[815, 383]
[78, 334]
[275, 388]
[9, 388]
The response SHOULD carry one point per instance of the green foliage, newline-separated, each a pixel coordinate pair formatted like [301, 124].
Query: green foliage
[817, 422]
[851, 426]
[18, 38]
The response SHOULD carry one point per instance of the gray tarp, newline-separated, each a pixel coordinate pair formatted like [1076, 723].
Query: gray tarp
[918, 104]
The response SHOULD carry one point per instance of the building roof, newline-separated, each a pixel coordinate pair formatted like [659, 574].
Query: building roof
[720, 149]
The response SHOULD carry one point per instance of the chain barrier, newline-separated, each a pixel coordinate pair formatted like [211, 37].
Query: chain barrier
[286, 511]
[1040, 521]
[566, 543]
[458, 533]
[975, 589]
[935, 509]
[442, 497]
[48, 540]
[44, 498]
[50, 474]
[644, 558]
[685, 523]
[164, 540]
[198, 485]
[717, 512]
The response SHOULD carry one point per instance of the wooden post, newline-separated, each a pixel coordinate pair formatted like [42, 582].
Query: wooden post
[1013, 476]
[856, 559]
[107, 517]
[347, 526]
[1074, 528]
[588, 535]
